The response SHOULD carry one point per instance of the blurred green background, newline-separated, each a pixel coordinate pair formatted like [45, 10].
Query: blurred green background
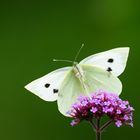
[32, 33]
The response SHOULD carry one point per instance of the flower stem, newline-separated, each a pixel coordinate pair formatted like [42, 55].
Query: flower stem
[98, 132]
[96, 127]
[106, 125]
[93, 125]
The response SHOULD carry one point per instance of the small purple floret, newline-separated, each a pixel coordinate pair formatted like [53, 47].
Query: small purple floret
[118, 123]
[93, 109]
[99, 104]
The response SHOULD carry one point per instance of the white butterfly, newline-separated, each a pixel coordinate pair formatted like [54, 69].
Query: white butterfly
[96, 72]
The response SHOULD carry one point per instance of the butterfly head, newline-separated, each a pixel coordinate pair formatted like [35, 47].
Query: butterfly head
[75, 64]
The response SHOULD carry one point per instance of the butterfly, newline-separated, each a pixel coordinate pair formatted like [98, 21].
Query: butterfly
[96, 72]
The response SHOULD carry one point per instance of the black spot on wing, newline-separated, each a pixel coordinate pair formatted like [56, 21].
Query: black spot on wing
[55, 90]
[47, 85]
[109, 69]
[110, 60]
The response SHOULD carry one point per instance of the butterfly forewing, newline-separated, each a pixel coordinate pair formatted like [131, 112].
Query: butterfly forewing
[113, 61]
[47, 87]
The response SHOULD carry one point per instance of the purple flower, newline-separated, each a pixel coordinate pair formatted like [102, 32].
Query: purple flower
[105, 109]
[118, 111]
[107, 103]
[74, 122]
[110, 109]
[131, 124]
[96, 101]
[99, 104]
[122, 105]
[126, 117]
[84, 103]
[118, 123]
[93, 110]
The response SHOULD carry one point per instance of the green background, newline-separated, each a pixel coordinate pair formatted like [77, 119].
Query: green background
[32, 33]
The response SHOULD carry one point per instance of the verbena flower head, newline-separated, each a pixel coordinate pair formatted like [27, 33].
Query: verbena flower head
[99, 104]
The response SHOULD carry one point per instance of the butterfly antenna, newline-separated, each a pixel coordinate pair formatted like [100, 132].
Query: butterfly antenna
[61, 60]
[78, 53]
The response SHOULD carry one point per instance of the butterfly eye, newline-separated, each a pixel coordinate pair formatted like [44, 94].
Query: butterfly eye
[55, 90]
[47, 85]
[110, 60]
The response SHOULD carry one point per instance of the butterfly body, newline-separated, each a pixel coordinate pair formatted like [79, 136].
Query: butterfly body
[78, 72]
[96, 72]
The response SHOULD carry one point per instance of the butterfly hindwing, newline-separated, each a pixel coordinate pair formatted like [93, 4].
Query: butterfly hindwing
[47, 87]
[113, 61]
[70, 89]
[97, 78]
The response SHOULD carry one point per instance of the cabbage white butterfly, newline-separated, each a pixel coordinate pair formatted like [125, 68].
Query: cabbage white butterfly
[96, 72]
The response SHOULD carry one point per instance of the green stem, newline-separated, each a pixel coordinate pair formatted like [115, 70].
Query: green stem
[92, 124]
[98, 132]
[106, 125]
[96, 127]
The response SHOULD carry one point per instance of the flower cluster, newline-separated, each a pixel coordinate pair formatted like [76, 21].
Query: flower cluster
[99, 104]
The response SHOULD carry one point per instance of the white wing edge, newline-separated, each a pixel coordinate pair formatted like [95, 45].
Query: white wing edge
[125, 50]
